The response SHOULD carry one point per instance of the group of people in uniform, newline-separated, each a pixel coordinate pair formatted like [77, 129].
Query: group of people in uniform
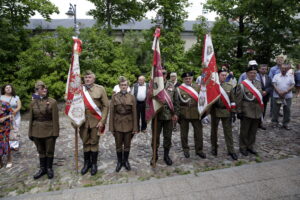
[44, 122]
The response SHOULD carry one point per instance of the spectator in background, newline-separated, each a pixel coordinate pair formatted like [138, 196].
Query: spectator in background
[273, 71]
[266, 86]
[297, 80]
[282, 94]
[117, 87]
[173, 79]
[5, 124]
[9, 96]
[139, 90]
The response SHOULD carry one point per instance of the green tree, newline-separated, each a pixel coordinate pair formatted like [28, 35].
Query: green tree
[117, 12]
[14, 15]
[265, 27]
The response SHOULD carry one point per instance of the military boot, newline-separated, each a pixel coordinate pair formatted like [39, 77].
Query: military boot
[119, 164]
[94, 167]
[87, 162]
[50, 172]
[167, 159]
[42, 170]
[125, 161]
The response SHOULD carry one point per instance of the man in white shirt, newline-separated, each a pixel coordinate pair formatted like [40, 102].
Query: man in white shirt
[282, 94]
[139, 90]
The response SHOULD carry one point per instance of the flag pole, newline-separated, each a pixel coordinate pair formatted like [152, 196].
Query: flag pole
[76, 149]
[154, 133]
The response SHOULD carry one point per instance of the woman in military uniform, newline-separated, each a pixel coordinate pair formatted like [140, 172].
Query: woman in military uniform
[123, 123]
[44, 128]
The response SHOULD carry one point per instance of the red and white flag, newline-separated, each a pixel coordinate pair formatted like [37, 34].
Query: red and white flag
[74, 100]
[157, 95]
[210, 87]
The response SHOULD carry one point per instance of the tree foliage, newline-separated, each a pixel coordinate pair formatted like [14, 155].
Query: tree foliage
[266, 28]
[117, 12]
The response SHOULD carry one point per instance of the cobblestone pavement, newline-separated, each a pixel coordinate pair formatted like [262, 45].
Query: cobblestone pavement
[271, 144]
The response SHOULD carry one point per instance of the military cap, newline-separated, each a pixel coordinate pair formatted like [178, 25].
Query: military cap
[252, 65]
[39, 84]
[187, 74]
[252, 62]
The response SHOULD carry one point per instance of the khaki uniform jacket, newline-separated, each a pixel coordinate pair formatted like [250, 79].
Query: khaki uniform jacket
[187, 110]
[219, 109]
[123, 114]
[250, 109]
[99, 96]
[43, 118]
[165, 113]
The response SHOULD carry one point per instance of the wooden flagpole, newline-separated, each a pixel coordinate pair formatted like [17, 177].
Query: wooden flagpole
[76, 149]
[154, 134]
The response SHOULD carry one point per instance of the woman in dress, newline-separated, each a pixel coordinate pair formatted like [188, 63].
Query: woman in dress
[9, 96]
[44, 129]
[5, 123]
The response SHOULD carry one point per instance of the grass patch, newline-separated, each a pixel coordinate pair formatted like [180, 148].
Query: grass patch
[181, 172]
[258, 159]
[240, 162]
[144, 178]
[88, 185]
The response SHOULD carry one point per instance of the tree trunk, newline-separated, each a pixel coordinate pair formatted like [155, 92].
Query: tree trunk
[108, 16]
[240, 39]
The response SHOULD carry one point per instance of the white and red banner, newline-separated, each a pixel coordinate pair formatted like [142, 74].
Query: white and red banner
[157, 95]
[75, 109]
[210, 87]
[254, 91]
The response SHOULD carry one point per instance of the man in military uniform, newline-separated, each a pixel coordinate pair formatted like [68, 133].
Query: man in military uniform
[187, 97]
[90, 130]
[225, 113]
[249, 109]
[123, 123]
[165, 122]
[44, 128]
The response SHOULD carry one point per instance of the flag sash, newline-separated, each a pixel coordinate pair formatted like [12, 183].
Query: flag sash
[225, 99]
[90, 104]
[254, 91]
[190, 90]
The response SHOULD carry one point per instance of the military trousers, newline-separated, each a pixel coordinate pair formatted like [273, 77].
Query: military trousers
[198, 134]
[123, 141]
[45, 146]
[248, 131]
[167, 127]
[90, 138]
[227, 129]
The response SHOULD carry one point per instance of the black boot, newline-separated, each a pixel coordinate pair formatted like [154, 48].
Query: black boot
[42, 170]
[167, 159]
[87, 162]
[119, 164]
[94, 167]
[50, 172]
[125, 161]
